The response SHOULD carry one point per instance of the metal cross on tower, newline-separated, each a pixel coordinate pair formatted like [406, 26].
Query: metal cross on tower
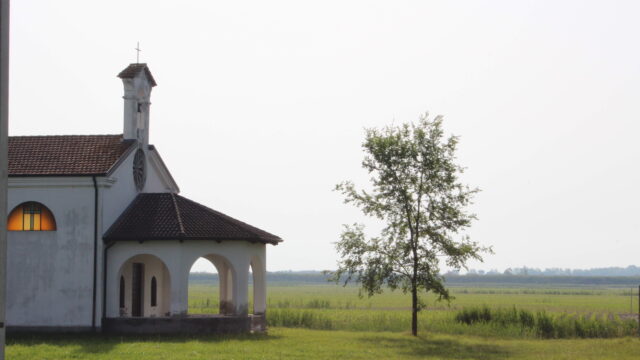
[138, 53]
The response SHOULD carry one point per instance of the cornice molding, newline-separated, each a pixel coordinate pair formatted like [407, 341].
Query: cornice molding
[58, 182]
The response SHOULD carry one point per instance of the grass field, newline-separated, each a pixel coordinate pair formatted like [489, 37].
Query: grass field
[330, 307]
[283, 343]
[328, 322]
[582, 299]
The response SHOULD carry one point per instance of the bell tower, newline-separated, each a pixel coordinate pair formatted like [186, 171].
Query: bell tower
[138, 82]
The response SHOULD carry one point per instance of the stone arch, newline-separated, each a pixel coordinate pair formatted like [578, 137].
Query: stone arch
[138, 272]
[226, 280]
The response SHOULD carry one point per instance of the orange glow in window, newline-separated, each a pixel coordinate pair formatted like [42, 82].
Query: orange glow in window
[31, 216]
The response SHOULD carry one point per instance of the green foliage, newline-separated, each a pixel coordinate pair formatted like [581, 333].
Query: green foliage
[547, 325]
[417, 193]
[302, 319]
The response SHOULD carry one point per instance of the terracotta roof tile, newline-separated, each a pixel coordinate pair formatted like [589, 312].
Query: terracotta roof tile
[167, 216]
[133, 69]
[64, 155]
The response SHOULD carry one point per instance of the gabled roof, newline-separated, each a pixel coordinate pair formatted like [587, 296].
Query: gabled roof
[65, 155]
[133, 69]
[168, 216]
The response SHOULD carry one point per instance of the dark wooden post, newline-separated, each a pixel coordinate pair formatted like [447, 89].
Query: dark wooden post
[638, 310]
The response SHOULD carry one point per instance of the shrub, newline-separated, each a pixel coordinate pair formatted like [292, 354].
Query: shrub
[548, 326]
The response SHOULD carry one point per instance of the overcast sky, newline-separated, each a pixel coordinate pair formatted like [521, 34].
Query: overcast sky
[260, 108]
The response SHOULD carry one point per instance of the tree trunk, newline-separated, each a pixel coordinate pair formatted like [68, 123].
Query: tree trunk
[414, 310]
[414, 288]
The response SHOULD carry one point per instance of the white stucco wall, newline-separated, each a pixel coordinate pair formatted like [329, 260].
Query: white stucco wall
[119, 195]
[178, 257]
[50, 273]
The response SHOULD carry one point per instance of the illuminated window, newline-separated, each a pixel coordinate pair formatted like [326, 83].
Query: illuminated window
[31, 216]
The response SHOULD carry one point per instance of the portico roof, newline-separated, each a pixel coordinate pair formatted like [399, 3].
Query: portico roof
[168, 216]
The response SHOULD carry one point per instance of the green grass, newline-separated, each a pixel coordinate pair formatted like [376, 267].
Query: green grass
[548, 299]
[331, 307]
[329, 322]
[283, 343]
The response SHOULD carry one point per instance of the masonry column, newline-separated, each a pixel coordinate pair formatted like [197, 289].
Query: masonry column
[259, 286]
[179, 276]
[226, 285]
[241, 286]
[4, 107]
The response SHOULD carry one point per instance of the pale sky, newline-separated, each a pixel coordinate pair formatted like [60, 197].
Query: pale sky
[260, 108]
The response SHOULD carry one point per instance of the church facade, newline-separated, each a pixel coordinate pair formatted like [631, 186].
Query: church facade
[99, 237]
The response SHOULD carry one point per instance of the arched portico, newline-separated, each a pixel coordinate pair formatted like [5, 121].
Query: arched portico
[171, 230]
[226, 279]
[232, 261]
[235, 262]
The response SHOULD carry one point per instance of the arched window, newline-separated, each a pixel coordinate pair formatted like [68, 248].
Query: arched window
[154, 292]
[121, 292]
[31, 216]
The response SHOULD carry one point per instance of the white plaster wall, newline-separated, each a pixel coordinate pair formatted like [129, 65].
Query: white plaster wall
[178, 258]
[118, 196]
[50, 273]
[155, 182]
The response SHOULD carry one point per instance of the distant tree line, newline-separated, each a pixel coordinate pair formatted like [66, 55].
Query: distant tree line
[293, 277]
[630, 270]
[501, 279]
[603, 276]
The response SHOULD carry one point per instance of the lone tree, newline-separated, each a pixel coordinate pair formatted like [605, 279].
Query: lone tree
[417, 193]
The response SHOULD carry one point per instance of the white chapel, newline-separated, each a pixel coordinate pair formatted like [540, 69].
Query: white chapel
[100, 239]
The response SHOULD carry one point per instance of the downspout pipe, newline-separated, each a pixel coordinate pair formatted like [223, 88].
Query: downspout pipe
[104, 280]
[95, 252]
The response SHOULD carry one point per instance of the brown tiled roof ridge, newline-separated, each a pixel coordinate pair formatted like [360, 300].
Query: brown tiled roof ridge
[178, 215]
[65, 155]
[240, 225]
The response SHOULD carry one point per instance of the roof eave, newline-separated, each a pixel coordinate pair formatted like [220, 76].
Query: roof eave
[109, 239]
[58, 175]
